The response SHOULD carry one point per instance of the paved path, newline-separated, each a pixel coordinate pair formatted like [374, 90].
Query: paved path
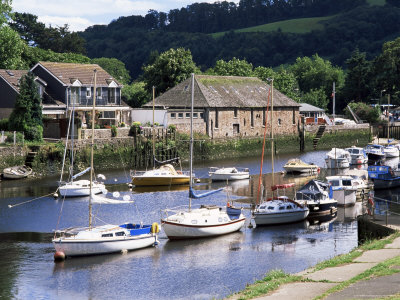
[325, 279]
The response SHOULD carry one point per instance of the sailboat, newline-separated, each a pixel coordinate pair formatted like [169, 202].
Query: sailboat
[76, 188]
[163, 175]
[277, 209]
[206, 221]
[106, 238]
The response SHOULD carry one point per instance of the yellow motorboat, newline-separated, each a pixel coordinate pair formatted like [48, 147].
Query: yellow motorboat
[296, 165]
[164, 175]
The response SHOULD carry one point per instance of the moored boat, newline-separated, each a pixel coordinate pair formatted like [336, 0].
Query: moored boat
[374, 152]
[337, 159]
[17, 172]
[344, 189]
[164, 175]
[318, 197]
[358, 155]
[383, 177]
[297, 166]
[231, 173]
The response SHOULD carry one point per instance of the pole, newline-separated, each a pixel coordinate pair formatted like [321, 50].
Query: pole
[154, 141]
[91, 150]
[388, 113]
[191, 144]
[334, 99]
[272, 130]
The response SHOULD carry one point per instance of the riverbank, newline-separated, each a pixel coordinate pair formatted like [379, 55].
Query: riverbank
[371, 270]
[123, 153]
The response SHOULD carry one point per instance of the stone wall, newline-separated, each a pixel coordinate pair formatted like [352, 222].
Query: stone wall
[122, 132]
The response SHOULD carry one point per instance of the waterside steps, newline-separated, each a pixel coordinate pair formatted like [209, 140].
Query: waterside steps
[30, 158]
[318, 136]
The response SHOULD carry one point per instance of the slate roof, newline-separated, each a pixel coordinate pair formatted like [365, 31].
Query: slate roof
[222, 92]
[65, 72]
[12, 77]
[305, 107]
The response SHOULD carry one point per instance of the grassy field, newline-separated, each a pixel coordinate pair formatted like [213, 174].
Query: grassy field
[303, 25]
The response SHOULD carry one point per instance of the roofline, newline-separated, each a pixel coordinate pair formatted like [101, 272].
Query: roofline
[9, 84]
[48, 72]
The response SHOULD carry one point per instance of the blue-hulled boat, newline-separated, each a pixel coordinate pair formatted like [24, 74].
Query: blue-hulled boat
[383, 177]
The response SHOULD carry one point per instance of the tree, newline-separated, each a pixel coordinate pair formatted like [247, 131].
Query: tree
[234, 67]
[11, 49]
[316, 97]
[365, 112]
[5, 11]
[169, 68]
[114, 67]
[27, 113]
[358, 77]
[387, 67]
[286, 83]
[264, 73]
[135, 94]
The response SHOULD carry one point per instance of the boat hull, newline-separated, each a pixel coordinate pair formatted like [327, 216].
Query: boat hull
[175, 230]
[77, 247]
[224, 177]
[301, 170]
[261, 218]
[18, 172]
[345, 197]
[339, 163]
[73, 191]
[386, 184]
[160, 181]
[321, 209]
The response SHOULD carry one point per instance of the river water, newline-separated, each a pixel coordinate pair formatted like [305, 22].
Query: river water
[193, 269]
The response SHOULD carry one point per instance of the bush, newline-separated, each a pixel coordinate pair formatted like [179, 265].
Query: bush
[114, 131]
[18, 136]
[34, 133]
[4, 124]
[135, 129]
[172, 127]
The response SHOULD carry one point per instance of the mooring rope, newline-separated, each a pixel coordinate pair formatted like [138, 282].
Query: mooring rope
[11, 206]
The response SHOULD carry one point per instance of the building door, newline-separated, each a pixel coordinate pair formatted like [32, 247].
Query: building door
[236, 129]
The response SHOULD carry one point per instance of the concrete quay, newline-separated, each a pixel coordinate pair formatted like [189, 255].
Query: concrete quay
[317, 283]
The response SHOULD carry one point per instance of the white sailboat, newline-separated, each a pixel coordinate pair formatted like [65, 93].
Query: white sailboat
[279, 209]
[206, 221]
[106, 238]
[76, 188]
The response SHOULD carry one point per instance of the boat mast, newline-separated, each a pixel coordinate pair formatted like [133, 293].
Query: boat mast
[154, 141]
[272, 130]
[191, 144]
[91, 150]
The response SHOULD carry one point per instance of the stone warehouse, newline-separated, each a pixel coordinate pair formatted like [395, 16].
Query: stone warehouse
[227, 106]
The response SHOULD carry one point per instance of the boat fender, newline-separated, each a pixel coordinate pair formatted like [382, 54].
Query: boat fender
[371, 201]
[319, 169]
[155, 228]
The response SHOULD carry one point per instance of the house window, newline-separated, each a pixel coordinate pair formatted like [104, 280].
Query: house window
[88, 92]
[279, 122]
[74, 97]
[252, 118]
[202, 115]
[235, 113]
[235, 129]
[180, 115]
[187, 115]
[173, 115]
[195, 115]
[216, 118]
[107, 115]
[264, 117]
[98, 92]
[294, 117]
[112, 96]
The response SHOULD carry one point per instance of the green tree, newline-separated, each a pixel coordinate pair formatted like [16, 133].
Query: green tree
[114, 67]
[286, 83]
[315, 73]
[169, 68]
[387, 67]
[316, 97]
[5, 11]
[234, 67]
[264, 73]
[27, 113]
[11, 49]
[358, 77]
[135, 94]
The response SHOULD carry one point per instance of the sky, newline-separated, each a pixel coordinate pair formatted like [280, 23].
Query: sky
[80, 14]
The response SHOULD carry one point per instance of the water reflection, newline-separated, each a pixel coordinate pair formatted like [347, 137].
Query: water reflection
[196, 269]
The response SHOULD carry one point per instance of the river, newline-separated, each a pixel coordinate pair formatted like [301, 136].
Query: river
[193, 269]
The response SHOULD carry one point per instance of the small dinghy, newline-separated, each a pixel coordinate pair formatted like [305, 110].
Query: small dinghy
[17, 172]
